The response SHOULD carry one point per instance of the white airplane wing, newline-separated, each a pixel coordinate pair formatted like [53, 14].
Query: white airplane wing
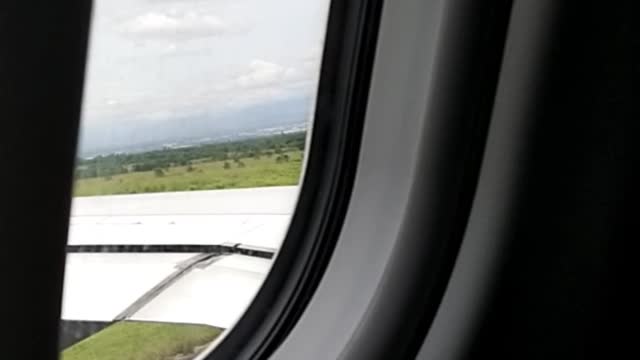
[189, 257]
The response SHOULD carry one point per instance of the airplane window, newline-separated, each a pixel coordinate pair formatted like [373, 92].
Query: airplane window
[192, 146]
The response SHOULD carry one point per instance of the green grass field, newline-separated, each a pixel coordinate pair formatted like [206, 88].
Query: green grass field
[142, 341]
[203, 176]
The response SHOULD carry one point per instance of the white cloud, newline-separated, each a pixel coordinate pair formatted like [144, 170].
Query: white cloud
[257, 82]
[171, 26]
[311, 59]
[263, 73]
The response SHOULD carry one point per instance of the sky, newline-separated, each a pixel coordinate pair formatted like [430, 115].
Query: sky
[151, 61]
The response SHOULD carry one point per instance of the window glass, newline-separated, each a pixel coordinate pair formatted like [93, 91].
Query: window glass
[195, 120]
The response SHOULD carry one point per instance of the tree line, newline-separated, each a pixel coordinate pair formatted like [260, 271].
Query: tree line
[273, 146]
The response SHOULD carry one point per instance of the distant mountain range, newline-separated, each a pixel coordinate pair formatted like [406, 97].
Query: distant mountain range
[138, 136]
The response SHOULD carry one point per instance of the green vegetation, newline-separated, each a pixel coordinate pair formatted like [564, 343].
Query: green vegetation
[142, 341]
[268, 161]
[202, 176]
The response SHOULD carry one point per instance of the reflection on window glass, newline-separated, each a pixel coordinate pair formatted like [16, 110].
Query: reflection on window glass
[192, 144]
